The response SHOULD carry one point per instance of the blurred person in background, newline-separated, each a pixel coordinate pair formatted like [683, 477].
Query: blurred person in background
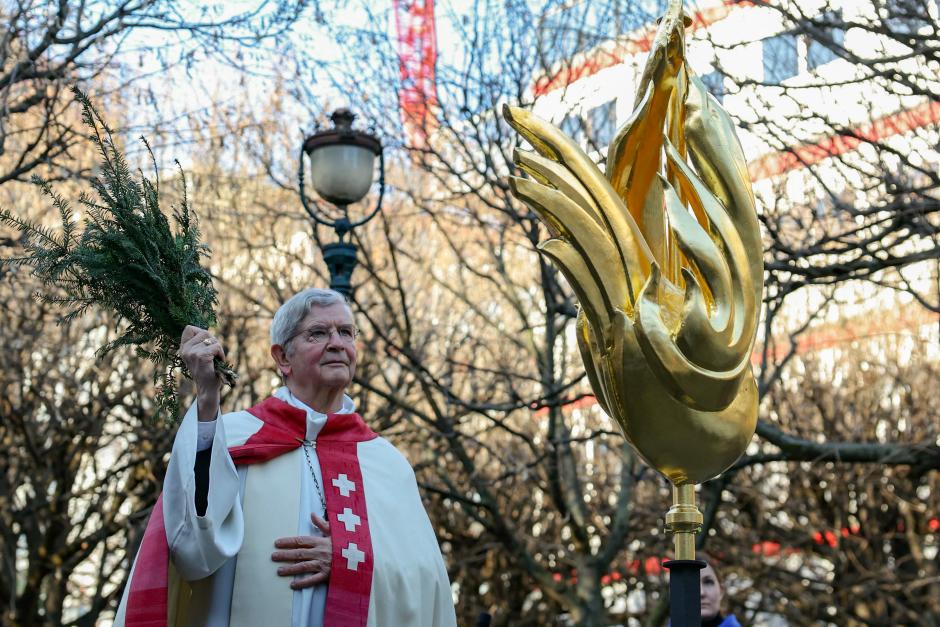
[712, 595]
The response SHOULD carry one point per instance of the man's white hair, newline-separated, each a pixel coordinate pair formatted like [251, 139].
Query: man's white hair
[295, 309]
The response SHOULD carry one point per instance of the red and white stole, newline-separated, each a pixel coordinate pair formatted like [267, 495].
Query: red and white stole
[284, 427]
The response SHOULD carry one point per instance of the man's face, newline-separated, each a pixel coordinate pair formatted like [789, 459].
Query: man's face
[323, 351]
[711, 593]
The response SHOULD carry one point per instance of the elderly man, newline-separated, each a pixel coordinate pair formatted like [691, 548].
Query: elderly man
[292, 512]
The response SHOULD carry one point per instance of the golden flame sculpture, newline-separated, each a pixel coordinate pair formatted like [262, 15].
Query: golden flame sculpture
[664, 255]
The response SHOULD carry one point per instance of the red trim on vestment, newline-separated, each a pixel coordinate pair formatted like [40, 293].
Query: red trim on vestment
[283, 425]
[147, 600]
[345, 428]
[347, 600]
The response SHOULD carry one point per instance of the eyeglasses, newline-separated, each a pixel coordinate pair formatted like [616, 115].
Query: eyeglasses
[320, 334]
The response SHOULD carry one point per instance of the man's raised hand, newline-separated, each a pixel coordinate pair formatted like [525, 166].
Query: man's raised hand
[198, 350]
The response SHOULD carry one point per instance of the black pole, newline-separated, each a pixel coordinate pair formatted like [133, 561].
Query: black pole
[340, 258]
[685, 601]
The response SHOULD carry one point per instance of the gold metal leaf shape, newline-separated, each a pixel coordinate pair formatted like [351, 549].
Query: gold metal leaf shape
[664, 255]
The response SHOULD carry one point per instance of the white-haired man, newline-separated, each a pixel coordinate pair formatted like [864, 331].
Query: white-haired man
[292, 512]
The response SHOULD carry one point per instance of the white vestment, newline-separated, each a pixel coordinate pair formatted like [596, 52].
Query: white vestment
[274, 499]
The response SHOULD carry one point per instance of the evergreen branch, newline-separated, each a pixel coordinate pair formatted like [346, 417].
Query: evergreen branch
[28, 229]
[128, 259]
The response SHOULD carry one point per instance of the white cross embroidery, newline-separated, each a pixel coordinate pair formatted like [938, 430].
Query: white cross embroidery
[344, 485]
[353, 556]
[349, 519]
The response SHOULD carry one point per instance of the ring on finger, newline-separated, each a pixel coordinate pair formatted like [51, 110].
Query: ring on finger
[207, 342]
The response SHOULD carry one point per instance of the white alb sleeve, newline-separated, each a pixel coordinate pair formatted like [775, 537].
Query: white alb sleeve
[206, 434]
[199, 545]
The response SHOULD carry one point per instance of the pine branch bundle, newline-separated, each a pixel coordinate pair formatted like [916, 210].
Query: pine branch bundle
[127, 260]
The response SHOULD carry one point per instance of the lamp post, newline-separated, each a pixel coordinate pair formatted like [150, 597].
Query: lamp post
[342, 168]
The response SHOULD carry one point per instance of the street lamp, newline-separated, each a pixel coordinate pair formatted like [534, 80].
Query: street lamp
[342, 167]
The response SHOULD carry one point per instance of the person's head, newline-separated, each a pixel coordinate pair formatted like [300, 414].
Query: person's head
[711, 592]
[313, 340]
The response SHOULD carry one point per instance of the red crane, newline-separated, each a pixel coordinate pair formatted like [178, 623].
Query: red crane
[417, 59]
